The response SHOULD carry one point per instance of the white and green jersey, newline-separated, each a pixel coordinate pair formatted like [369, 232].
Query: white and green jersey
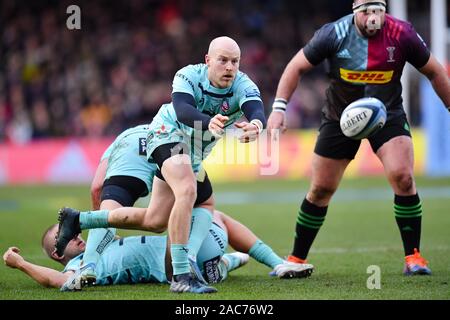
[193, 79]
[136, 259]
[141, 259]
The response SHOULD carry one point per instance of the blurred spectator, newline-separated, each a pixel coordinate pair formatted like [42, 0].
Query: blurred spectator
[117, 70]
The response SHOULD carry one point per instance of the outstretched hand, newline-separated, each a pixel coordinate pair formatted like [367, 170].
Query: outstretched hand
[216, 125]
[277, 121]
[250, 131]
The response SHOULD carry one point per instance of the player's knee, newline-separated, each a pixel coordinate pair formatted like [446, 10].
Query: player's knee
[186, 192]
[321, 192]
[154, 225]
[404, 181]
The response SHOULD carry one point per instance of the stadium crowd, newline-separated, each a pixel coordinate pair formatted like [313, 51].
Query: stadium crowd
[117, 70]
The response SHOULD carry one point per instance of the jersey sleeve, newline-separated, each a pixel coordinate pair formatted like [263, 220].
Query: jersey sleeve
[417, 52]
[184, 80]
[247, 90]
[322, 45]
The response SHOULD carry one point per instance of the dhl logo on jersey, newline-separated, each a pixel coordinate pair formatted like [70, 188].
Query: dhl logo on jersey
[373, 77]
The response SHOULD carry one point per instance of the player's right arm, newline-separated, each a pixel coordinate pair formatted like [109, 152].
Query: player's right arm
[43, 275]
[286, 87]
[323, 44]
[298, 66]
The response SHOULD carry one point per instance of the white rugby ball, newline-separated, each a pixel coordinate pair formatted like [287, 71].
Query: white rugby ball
[362, 118]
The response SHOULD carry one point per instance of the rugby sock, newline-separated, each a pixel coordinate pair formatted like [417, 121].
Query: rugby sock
[309, 220]
[201, 222]
[261, 252]
[94, 219]
[180, 261]
[97, 241]
[408, 214]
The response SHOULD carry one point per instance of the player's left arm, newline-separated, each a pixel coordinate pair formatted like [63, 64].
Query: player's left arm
[437, 75]
[45, 276]
[418, 54]
[253, 109]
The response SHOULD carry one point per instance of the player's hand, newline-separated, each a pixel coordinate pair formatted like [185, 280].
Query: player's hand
[12, 258]
[216, 125]
[250, 131]
[277, 121]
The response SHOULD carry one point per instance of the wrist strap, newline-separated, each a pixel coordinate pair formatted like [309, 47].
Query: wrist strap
[279, 104]
[258, 124]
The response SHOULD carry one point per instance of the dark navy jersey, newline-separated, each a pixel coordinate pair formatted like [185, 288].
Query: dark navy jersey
[366, 67]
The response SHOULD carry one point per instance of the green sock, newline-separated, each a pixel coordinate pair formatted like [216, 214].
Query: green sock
[94, 219]
[408, 214]
[180, 261]
[201, 222]
[97, 241]
[262, 253]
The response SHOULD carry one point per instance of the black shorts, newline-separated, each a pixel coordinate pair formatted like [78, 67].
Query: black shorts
[332, 143]
[204, 187]
[164, 152]
[124, 189]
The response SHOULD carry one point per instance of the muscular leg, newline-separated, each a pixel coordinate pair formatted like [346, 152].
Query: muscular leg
[177, 172]
[397, 157]
[153, 219]
[242, 239]
[326, 175]
[202, 216]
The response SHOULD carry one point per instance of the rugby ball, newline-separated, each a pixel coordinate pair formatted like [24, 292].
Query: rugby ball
[362, 118]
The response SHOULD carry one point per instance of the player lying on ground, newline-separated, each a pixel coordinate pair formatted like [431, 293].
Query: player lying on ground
[143, 259]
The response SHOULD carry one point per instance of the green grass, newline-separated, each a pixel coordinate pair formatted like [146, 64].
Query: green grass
[357, 233]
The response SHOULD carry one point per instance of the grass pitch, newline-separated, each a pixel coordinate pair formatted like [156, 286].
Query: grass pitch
[359, 231]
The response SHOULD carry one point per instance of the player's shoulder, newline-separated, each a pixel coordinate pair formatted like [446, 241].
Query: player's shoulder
[339, 28]
[243, 79]
[245, 86]
[398, 28]
[139, 130]
[192, 70]
[396, 22]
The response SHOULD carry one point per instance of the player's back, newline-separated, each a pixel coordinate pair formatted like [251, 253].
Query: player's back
[128, 156]
[136, 259]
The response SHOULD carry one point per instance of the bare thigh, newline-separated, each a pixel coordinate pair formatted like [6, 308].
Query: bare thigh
[160, 205]
[326, 173]
[397, 157]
